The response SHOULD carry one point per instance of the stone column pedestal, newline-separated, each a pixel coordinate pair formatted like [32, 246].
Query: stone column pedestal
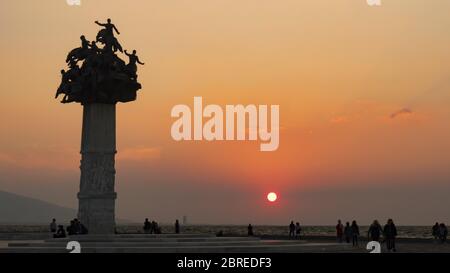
[98, 149]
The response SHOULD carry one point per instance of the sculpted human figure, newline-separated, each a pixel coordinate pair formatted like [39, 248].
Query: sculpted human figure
[65, 81]
[92, 58]
[109, 27]
[106, 36]
[132, 65]
[70, 83]
[79, 53]
[84, 42]
[97, 74]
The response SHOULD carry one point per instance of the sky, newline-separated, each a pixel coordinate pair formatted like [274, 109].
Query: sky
[363, 94]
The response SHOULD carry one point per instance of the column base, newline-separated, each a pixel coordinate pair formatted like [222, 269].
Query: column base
[97, 213]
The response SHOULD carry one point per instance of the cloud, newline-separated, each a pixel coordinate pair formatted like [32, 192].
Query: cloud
[65, 158]
[43, 158]
[401, 112]
[140, 154]
[340, 120]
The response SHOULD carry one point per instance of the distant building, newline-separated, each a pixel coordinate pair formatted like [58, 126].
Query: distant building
[185, 221]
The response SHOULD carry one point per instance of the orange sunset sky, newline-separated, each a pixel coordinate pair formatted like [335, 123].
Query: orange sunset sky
[363, 91]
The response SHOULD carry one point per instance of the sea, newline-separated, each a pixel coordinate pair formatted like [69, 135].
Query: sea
[420, 232]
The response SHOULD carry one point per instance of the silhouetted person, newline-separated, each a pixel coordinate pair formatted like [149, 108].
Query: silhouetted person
[292, 230]
[250, 230]
[77, 226]
[60, 233]
[348, 232]
[339, 231]
[177, 227]
[65, 84]
[355, 233]
[83, 229]
[443, 232]
[375, 231]
[84, 42]
[298, 230]
[435, 231]
[147, 226]
[106, 36]
[53, 226]
[71, 228]
[109, 27]
[80, 53]
[69, 80]
[94, 49]
[132, 64]
[156, 228]
[390, 232]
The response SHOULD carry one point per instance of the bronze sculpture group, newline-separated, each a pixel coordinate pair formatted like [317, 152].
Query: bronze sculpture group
[102, 76]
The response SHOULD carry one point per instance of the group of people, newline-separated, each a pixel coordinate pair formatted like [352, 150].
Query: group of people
[295, 230]
[151, 227]
[351, 233]
[75, 228]
[440, 232]
[376, 232]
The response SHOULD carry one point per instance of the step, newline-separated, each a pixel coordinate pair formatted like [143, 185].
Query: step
[261, 248]
[180, 239]
[151, 244]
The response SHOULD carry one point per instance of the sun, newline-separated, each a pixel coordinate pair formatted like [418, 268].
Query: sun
[272, 197]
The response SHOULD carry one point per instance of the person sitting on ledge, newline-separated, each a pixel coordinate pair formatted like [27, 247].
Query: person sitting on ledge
[83, 229]
[60, 233]
[71, 228]
[77, 226]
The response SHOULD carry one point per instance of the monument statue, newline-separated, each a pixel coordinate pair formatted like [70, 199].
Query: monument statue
[98, 79]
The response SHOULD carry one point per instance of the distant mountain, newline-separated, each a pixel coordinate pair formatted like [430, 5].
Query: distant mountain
[16, 209]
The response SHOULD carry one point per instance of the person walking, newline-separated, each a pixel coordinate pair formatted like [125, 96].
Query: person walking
[147, 226]
[177, 227]
[375, 231]
[298, 230]
[250, 230]
[355, 233]
[348, 232]
[435, 231]
[292, 230]
[390, 233]
[443, 232]
[339, 231]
